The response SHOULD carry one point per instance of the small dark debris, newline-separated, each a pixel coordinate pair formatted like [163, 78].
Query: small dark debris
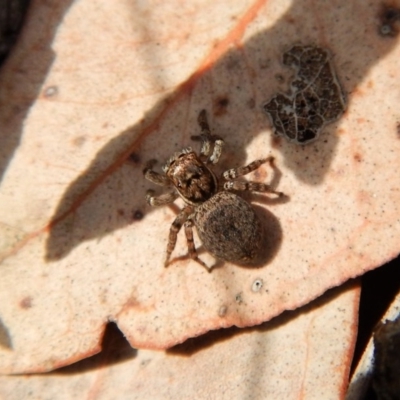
[134, 158]
[389, 20]
[26, 302]
[145, 363]
[357, 157]
[238, 298]
[220, 105]
[137, 215]
[276, 141]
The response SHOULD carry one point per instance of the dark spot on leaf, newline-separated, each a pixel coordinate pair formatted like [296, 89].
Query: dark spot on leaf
[134, 158]
[290, 19]
[238, 298]
[251, 103]
[276, 141]
[144, 363]
[220, 105]
[389, 21]
[137, 215]
[232, 62]
[78, 141]
[26, 302]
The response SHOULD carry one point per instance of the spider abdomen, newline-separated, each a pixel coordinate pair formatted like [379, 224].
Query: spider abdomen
[229, 228]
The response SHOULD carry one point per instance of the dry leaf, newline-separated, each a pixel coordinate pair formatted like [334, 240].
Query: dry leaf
[87, 101]
[294, 356]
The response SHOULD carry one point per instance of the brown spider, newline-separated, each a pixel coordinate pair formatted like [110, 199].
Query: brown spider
[226, 224]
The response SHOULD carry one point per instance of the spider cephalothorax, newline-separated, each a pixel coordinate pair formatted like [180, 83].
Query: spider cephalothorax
[193, 180]
[227, 224]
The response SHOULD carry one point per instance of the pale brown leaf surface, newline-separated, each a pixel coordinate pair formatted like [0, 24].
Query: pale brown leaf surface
[114, 79]
[295, 356]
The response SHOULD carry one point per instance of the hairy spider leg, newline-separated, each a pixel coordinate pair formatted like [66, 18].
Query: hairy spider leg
[208, 139]
[234, 173]
[162, 199]
[174, 230]
[155, 177]
[190, 243]
[231, 174]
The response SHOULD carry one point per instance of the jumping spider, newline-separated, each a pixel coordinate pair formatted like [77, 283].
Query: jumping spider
[226, 224]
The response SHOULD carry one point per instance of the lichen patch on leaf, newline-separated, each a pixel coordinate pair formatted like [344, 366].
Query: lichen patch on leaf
[315, 98]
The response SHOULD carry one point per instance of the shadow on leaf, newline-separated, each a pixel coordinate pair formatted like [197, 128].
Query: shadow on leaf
[104, 197]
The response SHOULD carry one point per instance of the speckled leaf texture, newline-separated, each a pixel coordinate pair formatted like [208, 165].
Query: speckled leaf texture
[94, 90]
[294, 356]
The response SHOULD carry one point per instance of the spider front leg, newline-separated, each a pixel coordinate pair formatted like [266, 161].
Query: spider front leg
[174, 230]
[190, 243]
[155, 177]
[161, 180]
[162, 199]
[234, 173]
[208, 140]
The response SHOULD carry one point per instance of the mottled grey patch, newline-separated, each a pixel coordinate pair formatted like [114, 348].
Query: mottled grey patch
[239, 298]
[315, 97]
